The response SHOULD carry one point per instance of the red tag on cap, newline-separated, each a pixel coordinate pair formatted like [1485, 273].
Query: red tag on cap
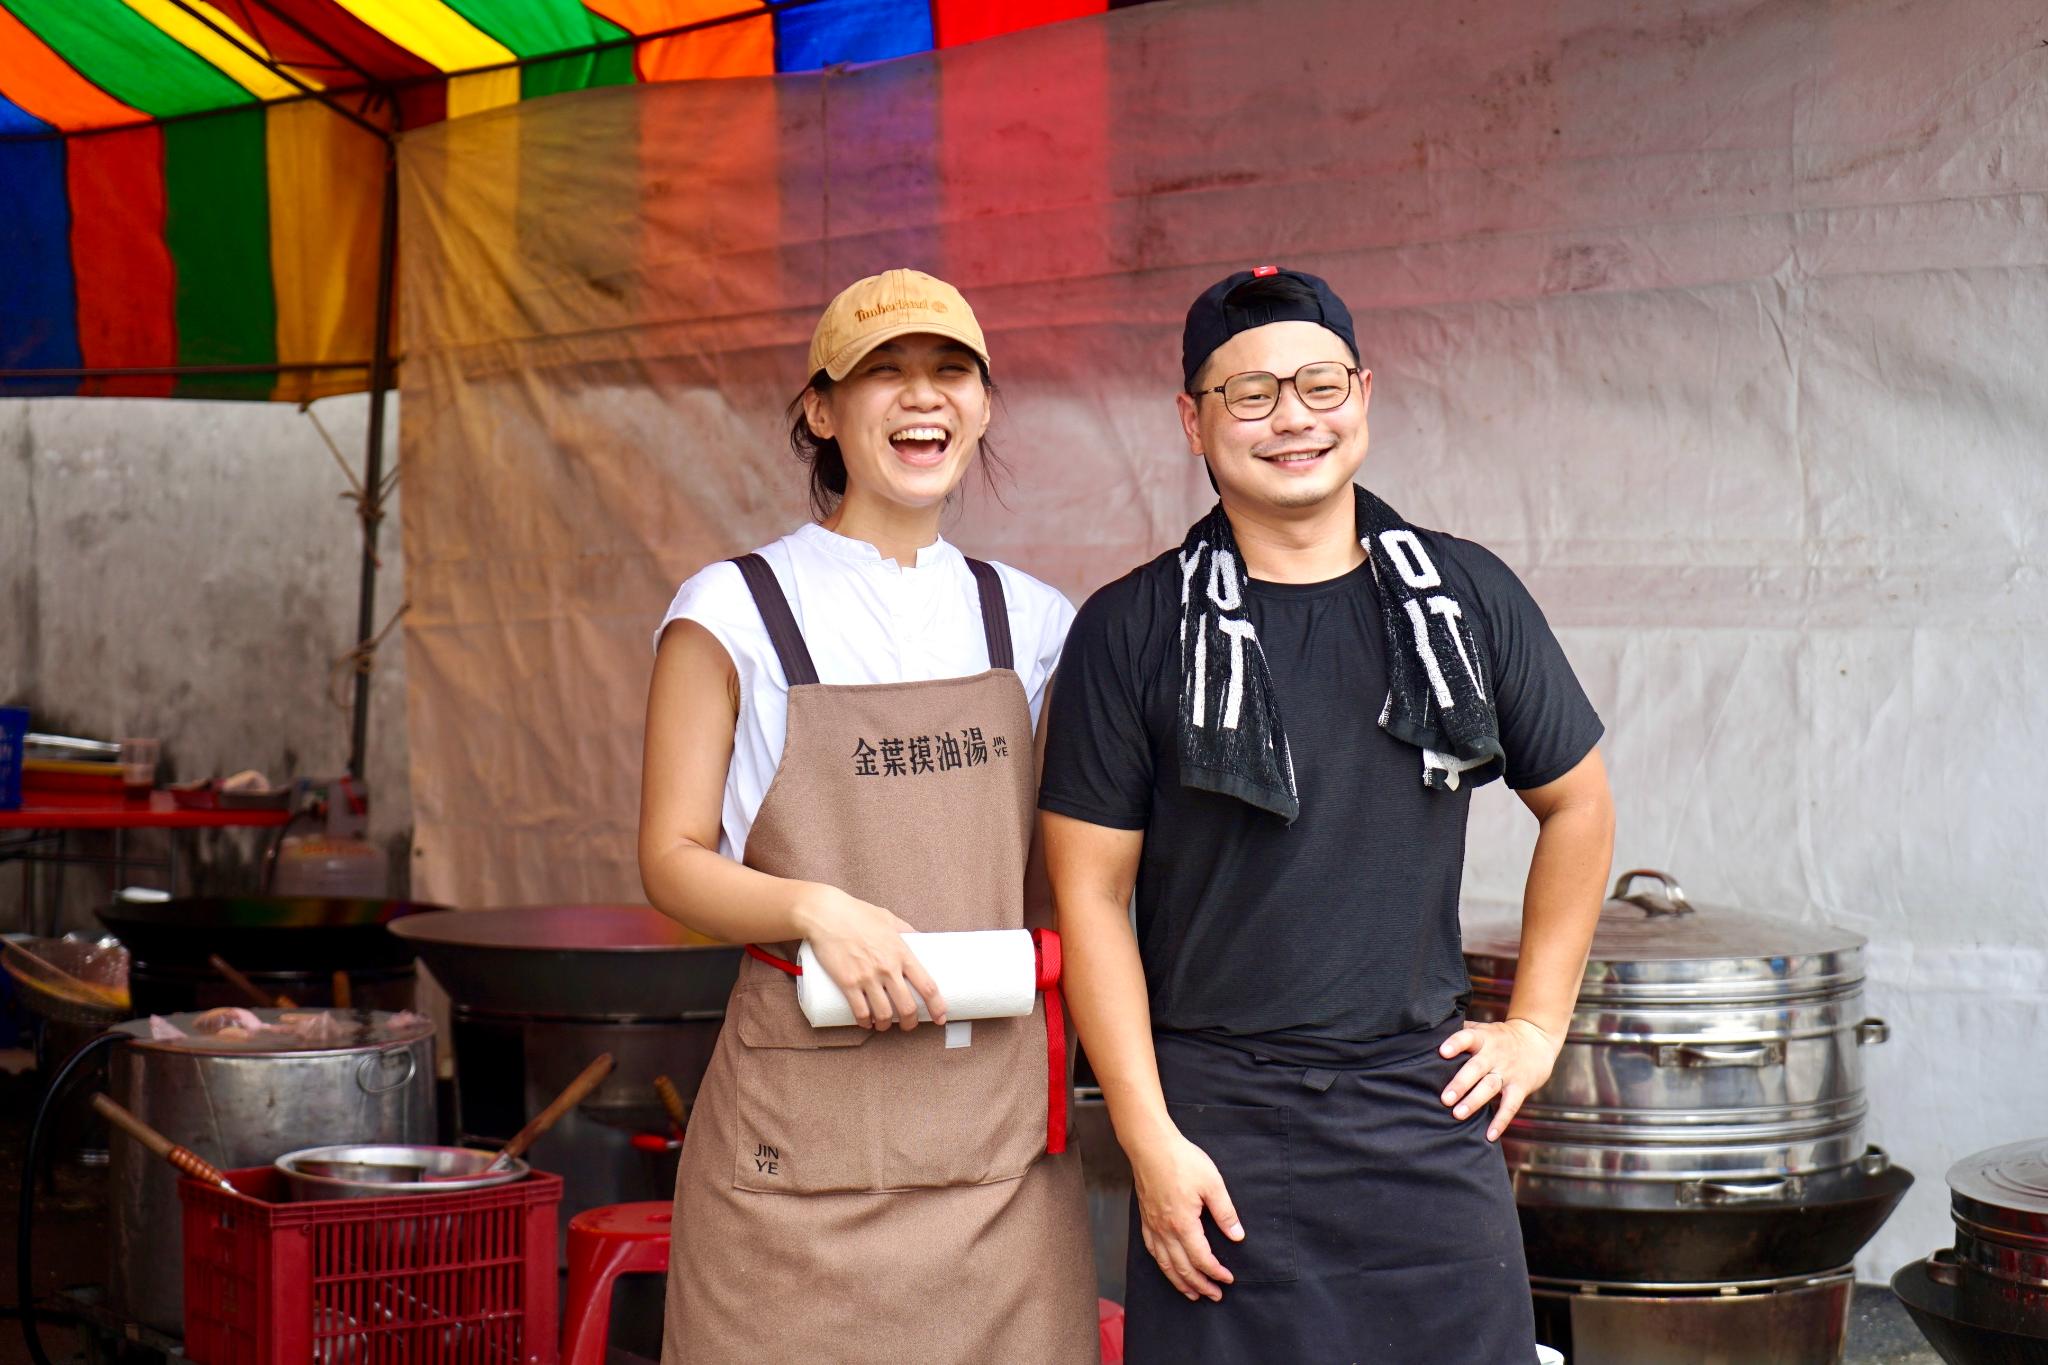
[1261, 272]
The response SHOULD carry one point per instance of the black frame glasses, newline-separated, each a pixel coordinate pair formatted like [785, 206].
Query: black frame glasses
[1250, 404]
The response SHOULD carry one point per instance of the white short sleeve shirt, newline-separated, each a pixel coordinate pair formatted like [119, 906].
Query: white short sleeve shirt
[866, 620]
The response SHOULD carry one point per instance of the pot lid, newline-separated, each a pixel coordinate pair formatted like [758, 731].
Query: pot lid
[1655, 943]
[236, 1032]
[2013, 1178]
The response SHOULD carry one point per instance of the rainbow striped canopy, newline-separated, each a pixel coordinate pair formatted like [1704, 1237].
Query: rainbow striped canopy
[195, 197]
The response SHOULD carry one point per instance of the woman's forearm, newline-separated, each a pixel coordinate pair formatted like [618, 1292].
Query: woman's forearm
[709, 892]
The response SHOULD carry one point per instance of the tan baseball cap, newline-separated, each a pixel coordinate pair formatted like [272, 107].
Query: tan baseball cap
[892, 304]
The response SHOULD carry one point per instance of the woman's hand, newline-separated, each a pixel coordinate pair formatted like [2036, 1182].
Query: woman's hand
[1510, 1062]
[1175, 1180]
[860, 947]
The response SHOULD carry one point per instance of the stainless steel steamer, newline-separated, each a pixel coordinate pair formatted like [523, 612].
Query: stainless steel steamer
[1694, 1177]
[1716, 1052]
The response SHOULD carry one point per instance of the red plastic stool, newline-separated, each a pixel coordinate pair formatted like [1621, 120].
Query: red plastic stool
[1109, 1330]
[605, 1243]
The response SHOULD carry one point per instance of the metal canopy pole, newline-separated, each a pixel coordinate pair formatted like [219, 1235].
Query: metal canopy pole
[373, 463]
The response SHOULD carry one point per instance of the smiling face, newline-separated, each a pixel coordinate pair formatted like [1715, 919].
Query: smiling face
[908, 418]
[1294, 457]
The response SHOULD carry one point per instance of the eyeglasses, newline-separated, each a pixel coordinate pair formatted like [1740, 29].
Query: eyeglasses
[1323, 385]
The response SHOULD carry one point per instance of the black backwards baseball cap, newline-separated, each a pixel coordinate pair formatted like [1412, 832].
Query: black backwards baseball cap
[1227, 308]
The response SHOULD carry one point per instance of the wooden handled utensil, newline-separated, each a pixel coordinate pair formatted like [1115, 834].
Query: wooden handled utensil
[341, 989]
[678, 1112]
[249, 988]
[184, 1158]
[586, 1081]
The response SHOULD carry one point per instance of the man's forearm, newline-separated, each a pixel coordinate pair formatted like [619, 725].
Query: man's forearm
[1104, 982]
[1560, 907]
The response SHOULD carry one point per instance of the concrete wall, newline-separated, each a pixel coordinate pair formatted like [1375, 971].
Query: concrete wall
[189, 570]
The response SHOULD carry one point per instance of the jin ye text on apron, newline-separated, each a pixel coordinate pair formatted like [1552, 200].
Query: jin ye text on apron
[853, 1196]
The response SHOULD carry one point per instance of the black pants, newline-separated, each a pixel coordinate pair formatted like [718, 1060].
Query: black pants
[1379, 1228]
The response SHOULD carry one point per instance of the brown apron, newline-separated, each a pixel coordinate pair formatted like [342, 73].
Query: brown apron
[848, 1196]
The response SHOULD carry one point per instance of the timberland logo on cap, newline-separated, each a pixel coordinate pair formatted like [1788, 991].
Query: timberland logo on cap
[1262, 271]
[899, 306]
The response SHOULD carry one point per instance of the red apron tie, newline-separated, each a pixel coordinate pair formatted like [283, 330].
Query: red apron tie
[774, 960]
[1046, 944]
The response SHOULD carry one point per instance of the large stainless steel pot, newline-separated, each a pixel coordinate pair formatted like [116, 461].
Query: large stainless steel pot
[1800, 1320]
[1708, 1044]
[239, 1107]
[1999, 1200]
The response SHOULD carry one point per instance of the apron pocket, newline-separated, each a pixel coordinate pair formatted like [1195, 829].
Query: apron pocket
[1249, 1145]
[821, 1112]
[766, 1022]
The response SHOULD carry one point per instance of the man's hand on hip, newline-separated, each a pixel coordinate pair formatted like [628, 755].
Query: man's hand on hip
[1510, 1061]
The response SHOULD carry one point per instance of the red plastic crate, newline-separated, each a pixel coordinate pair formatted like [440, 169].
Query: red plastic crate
[466, 1278]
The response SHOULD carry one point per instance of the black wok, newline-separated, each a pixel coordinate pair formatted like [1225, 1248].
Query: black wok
[575, 961]
[264, 933]
[1592, 1230]
[1929, 1293]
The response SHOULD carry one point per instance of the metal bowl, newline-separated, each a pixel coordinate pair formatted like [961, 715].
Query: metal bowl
[377, 1171]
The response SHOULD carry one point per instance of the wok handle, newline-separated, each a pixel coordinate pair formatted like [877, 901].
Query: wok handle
[1714, 1192]
[586, 1081]
[262, 998]
[1696, 1056]
[678, 1112]
[184, 1158]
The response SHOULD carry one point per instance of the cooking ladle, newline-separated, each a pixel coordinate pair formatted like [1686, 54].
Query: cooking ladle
[184, 1158]
[678, 1112]
[586, 1081]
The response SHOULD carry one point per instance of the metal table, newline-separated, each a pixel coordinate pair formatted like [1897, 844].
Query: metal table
[38, 835]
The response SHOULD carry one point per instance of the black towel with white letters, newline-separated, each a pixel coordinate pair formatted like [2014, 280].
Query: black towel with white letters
[1438, 698]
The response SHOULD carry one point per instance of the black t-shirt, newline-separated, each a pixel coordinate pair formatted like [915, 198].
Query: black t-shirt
[1342, 927]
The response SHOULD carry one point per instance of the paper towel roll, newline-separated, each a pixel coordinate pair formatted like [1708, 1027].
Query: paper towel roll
[983, 973]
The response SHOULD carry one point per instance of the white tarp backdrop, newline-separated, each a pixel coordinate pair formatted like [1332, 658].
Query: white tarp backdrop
[1724, 324]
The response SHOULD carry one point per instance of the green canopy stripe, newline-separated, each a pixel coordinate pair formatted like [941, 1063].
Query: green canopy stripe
[614, 66]
[217, 225]
[130, 58]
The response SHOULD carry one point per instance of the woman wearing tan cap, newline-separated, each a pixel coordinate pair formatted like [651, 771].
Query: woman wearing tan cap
[840, 748]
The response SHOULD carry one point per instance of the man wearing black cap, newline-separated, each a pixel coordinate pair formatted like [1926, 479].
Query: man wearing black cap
[1271, 734]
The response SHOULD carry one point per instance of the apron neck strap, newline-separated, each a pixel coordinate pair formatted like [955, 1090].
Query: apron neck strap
[995, 615]
[795, 655]
[797, 668]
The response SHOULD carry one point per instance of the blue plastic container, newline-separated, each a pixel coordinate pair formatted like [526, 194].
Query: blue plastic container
[13, 739]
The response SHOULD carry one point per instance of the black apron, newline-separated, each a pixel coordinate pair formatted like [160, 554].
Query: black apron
[1379, 1227]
